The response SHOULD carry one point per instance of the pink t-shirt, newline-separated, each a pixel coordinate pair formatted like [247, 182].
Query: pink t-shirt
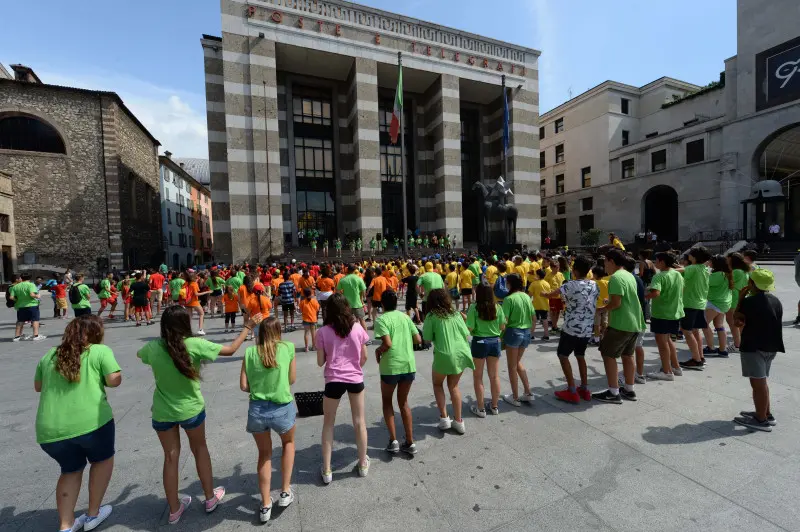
[342, 355]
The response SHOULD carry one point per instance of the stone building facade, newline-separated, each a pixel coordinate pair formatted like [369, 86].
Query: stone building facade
[84, 174]
[8, 242]
[677, 159]
[299, 101]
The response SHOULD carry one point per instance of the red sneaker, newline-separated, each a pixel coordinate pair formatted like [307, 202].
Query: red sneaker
[585, 394]
[568, 396]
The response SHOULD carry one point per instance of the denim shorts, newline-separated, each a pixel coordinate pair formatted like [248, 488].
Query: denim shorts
[485, 347]
[186, 424]
[517, 338]
[263, 416]
[73, 453]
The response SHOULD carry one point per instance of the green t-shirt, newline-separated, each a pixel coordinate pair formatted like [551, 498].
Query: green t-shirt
[719, 291]
[21, 292]
[241, 275]
[669, 303]
[235, 281]
[176, 397]
[70, 409]
[352, 286]
[628, 316]
[451, 351]
[213, 284]
[485, 329]
[105, 289]
[695, 286]
[175, 286]
[400, 358]
[518, 311]
[740, 281]
[475, 268]
[270, 384]
[85, 291]
[430, 281]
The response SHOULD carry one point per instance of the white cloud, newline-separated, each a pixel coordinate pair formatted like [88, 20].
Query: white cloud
[176, 118]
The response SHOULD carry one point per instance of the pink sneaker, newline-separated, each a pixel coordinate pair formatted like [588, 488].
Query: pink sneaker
[211, 504]
[174, 518]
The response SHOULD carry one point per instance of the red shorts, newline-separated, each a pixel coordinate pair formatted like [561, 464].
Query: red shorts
[556, 305]
[105, 302]
[141, 309]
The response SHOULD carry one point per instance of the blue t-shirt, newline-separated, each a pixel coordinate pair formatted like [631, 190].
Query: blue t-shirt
[287, 291]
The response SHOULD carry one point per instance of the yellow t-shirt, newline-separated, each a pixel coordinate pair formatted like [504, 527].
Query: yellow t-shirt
[466, 279]
[617, 243]
[535, 290]
[589, 276]
[491, 275]
[522, 272]
[509, 267]
[602, 284]
[429, 266]
[451, 280]
[555, 280]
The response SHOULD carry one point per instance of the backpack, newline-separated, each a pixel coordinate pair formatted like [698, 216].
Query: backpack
[9, 301]
[97, 288]
[75, 296]
[185, 295]
[501, 288]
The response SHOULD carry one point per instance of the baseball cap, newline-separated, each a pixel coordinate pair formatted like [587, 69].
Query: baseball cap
[258, 287]
[763, 279]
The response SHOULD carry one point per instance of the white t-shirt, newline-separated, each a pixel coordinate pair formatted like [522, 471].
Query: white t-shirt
[581, 303]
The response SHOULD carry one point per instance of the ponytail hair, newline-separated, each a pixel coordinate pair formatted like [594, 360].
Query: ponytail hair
[78, 336]
[269, 334]
[176, 327]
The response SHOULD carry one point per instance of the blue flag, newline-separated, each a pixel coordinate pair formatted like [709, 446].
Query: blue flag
[506, 140]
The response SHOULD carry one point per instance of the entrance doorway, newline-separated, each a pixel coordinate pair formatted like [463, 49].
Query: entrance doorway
[661, 213]
[778, 160]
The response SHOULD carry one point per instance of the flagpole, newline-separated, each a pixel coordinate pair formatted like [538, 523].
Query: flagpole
[504, 147]
[403, 160]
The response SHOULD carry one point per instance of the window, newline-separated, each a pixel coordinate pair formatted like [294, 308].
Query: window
[132, 190]
[586, 177]
[309, 110]
[625, 105]
[541, 133]
[208, 242]
[542, 188]
[29, 134]
[313, 157]
[560, 184]
[542, 159]
[658, 160]
[626, 137]
[543, 211]
[586, 222]
[695, 151]
[651, 135]
[558, 125]
[628, 168]
[5, 224]
[191, 222]
[560, 153]
[182, 240]
[561, 208]
[587, 204]
[170, 238]
[169, 216]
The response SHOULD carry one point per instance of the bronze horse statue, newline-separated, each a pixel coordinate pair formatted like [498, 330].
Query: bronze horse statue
[493, 210]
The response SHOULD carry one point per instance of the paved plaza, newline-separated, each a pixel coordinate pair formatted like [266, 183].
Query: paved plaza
[671, 461]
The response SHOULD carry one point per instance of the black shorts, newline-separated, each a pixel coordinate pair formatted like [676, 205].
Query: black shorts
[288, 308]
[466, 291]
[694, 319]
[411, 304]
[377, 304]
[392, 380]
[659, 326]
[568, 344]
[335, 390]
[541, 314]
[30, 314]
[73, 453]
[82, 312]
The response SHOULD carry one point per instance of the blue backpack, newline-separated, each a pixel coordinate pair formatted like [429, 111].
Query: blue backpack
[501, 288]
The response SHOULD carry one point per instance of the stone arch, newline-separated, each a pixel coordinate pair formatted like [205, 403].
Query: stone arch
[10, 112]
[660, 212]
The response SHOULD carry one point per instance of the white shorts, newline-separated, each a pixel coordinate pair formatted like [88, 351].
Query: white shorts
[640, 339]
[156, 295]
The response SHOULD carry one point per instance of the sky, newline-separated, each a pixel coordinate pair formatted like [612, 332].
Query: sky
[149, 51]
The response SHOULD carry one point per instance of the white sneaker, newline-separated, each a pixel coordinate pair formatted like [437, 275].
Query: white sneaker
[78, 524]
[508, 398]
[678, 372]
[363, 470]
[38, 337]
[526, 398]
[661, 376]
[93, 522]
[458, 426]
[200, 332]
[640, 379]
[327, 476]
[17, 339]
[479, 412]
[286, 498]
[265, 513]
[445, 423]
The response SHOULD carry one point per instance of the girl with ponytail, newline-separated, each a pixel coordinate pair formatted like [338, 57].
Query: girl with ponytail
[268, 371]
[178, 402]
[74, 423]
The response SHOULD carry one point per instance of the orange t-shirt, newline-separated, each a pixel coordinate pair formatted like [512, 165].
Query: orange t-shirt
[306, 283]
[244, 295]
[394, 282]
[295, 277]
[256, 304]
[231, 303]
[276, 283]
[192, 290]
[379, 286]
[325, 284]
[336, 278]
[309, 308]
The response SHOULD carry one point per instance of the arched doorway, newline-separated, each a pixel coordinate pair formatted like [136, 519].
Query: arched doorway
[661, 212]
[778, 159]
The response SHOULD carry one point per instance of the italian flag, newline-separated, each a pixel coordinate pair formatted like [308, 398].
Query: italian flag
[394, 128]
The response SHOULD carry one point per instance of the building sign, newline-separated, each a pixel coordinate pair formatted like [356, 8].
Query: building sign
[778, 75]
[373, 21]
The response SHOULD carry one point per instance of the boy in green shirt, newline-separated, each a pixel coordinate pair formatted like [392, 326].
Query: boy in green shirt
[395, 357]
[105, 296]
[26, 302]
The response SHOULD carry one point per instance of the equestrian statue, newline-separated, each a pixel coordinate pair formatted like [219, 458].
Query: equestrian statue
[494, 208]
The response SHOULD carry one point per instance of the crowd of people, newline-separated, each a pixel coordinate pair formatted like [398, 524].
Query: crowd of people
[469, 309]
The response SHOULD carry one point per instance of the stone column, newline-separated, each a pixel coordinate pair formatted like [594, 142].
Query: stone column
[523, 165]
[363, 118]
[443, 119]
[112, 166]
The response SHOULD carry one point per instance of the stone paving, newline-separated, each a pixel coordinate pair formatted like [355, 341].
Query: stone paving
[671, 461]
